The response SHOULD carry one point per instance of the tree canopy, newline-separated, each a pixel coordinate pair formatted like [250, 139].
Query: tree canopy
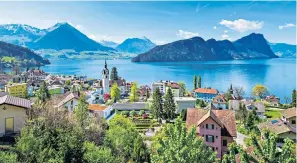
[114, 74]
[115, 92]
[169, 105]
[156, 106]
[260, 90]
[134, 97]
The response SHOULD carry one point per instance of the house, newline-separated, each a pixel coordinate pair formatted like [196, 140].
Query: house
[272, 101]
[220, 102]
[4, 79]
[165, 85]
[35, 74]
[69, 102]
[250, 105]
[143, 91]
[55, 89]
[205, 94]
[16, 89]
[98, 110]
[137, 106]
[13, 111]
[94, 97]
[216, 127]
[184, 103]
[284, 127]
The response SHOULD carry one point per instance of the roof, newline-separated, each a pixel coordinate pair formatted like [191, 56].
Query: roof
[277, 126]
[184, 99]
[16, 101]
[15, 84]
[288, 113]
[223, 117]
[219, 99]
[97, 107]
[130, 106]
[68, 98]
[206, 91]
[3, 94]
[210, 106]
[173, 85]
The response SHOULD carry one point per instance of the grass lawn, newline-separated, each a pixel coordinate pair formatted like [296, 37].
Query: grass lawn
[272, 113]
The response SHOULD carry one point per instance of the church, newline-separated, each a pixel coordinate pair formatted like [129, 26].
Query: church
[103, 86]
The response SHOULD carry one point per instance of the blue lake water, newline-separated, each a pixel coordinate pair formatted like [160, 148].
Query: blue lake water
[279, 75]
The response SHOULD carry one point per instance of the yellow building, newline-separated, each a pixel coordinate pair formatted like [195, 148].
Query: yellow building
[13, 111]
[16, 89]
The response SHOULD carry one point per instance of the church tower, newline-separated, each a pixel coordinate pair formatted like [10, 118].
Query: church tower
[105, 79]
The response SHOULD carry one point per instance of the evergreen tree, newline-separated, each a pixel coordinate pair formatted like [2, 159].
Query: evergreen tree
[82, 112]
[294, 98]
[199, 81]
[195, 82]
[114, 74]
[140, 151]
[147, 94]
[169, 105]
[115, 92]
[178, 145]
[156, 106]
[134, 94]
[42, 93]
[242, 113]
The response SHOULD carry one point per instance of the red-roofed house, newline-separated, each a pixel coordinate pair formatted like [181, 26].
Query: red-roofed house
[205, 94]
[217, 127]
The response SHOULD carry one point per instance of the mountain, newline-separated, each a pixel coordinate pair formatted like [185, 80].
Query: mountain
[22, 54]
[108, 43]
[64, 36]
[136, 45]
[284, 50]
[20, 34]
[253, 46]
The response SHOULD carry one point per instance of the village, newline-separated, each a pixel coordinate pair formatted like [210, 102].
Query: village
[220, 117]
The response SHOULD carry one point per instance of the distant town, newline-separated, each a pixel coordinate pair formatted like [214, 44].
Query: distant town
[228, 124]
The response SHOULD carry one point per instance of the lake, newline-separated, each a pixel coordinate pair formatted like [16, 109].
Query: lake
[279, 75]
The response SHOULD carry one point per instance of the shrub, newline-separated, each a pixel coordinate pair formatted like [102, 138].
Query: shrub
[125, 113]
[133, 113]
[141, 112]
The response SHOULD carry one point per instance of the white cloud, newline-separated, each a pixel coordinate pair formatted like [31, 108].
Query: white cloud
[93, 37]
[242, 25]
[214, 27]
[160, 42]
[288, 25]
[225, 31]
[225, 37]
[186, 34]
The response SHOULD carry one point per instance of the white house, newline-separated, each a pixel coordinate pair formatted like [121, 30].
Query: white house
[184, 103]
[220, 102]
[69, 102]
[98, 110]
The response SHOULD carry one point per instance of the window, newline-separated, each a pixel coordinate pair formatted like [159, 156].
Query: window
[207, 126]
[224, 143]
[216, 148]
[216, 137]
[213, 148]
[212, 126]
[209, 138]
[293, 121]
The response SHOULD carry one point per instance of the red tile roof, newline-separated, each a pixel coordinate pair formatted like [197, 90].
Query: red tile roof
[97, 107]
[205, 90]
[226, 117]
[288, 113]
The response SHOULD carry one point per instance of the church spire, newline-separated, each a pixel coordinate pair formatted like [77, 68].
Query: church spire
[105, 64]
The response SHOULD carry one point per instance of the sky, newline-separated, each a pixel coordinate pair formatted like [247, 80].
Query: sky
[162, 22]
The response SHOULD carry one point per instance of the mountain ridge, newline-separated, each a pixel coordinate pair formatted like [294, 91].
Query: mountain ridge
[197, 49]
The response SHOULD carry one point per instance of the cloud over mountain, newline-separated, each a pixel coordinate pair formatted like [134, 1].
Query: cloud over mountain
[242, 25]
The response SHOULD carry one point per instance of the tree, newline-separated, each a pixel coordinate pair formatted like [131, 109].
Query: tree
[51, 137]
[106, 97]
[140, 152]
[195, 82]
[234, 149]
[178, 145]
[147, 94]
[122, 137]
[67, 82]
[242, 113]
[7, 157]
[182, 88]
[294, 98]
[260, 90]
[134, 94]
[266, 150]
[114, 74]
[115, 92]
[95, 154]
[169, 105]
[133, 113]
[239, 92]
[199, 81]
[82, 112]
[251, 120]
[157, 106]
[42, 93]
